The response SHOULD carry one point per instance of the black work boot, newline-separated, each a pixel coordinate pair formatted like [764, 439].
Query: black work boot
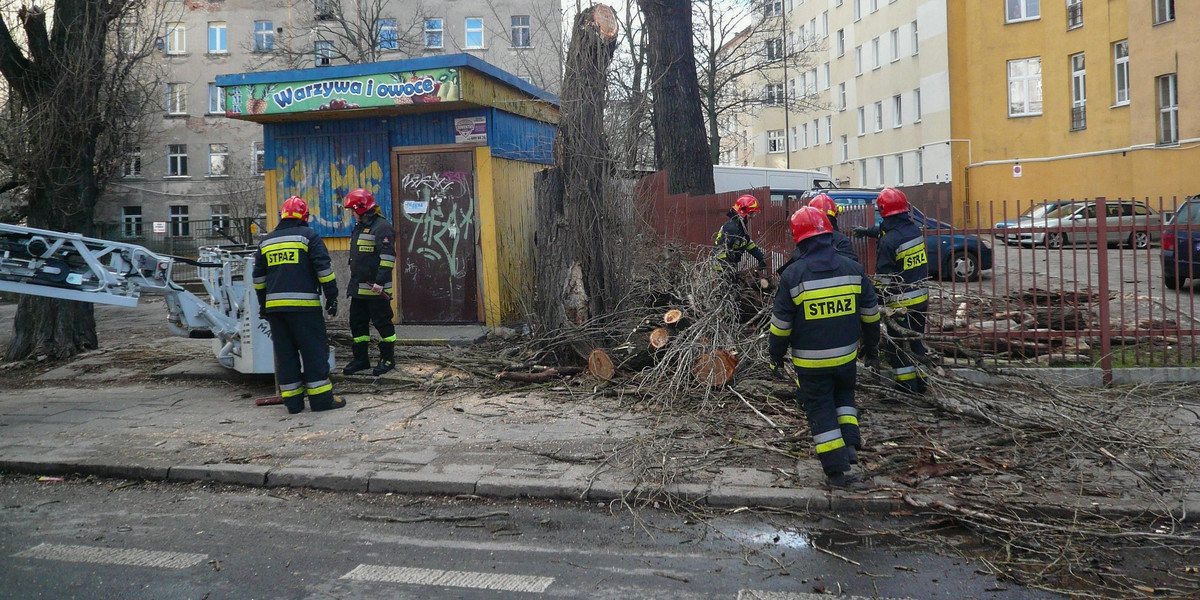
[361, 361]
[387, 358]
[333, 403]
[847, 481]
[853, 454]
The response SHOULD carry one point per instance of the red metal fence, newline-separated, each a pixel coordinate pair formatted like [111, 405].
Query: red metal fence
[1063, 290]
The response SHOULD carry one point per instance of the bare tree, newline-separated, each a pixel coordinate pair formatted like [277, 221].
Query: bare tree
[77, 94]
[745, 57]
[680, 143]
[341, 32]
[242, 194]
[535, 41]
[629, 109]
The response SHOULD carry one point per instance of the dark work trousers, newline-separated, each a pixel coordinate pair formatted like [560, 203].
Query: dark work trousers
[905, 371]
[827, 397]
[365, 312]
[301, 358]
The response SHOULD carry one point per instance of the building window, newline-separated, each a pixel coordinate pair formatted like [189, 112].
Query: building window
[774, 94]
[862, 121]
[845, 148]
[388, 37]
[177, 98]
[804, 135]
[520, 31]
[180, 225]
[875, 53]
[218, 157]
[795, 137]
[899, 169]
[857, 10]
[216, 100]
[176, 41]
[917, 105]
[916, 40]
[825, 25]
[858, 61]
[774, 48]
[1074, 14]
[324, 9]
[433, 33]
[474, 32]
[791, 88]
[811, 88]
[1021, 10]
[842, 96]
[132, 165]
[828, 130]
[920, 155]
[862, 170]
[1025, 87]
[879, 176]
[839, 40]
[264, 36]
[258, 162]
[1121, 66]
[816, 132]
[773, 8]
[1164, 11]
[895, 39]
[177, 160]
[1078, 93]
[217, 43]
[825, 81]
[322, 53]
[775, 141]
[218, 217]
[874, 6]
[878, 116]
[897, 111]
[131, 221]
[1168, 109]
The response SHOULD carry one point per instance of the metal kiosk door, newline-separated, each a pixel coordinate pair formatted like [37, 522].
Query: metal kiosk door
[435, 236]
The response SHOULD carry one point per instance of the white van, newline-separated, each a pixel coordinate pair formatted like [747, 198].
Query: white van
[783, 182]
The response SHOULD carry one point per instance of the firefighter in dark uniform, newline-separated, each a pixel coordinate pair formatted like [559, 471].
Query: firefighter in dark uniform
[372, 259]
[824, 308]
[291, 269]
[733, 240]
[841, 243]
[901, 268]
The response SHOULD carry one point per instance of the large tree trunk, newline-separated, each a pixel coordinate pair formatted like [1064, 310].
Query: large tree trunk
[680, 142]
[582, 221]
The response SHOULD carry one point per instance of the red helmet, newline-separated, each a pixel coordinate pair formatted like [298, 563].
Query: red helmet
[891, 201]
[809, 221]
[360, 201]
[294, 208]
[746, 205]
[825, 204]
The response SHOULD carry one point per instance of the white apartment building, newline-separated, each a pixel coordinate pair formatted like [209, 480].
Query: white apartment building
[879, 78]
[198, 167]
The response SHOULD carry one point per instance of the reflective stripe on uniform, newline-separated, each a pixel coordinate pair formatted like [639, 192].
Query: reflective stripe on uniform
[387, 261]
[905, 373]
[288, 390]
[829, 357]
[916, 296]
[293, 299]
[283, 242]
[260, 283]
[869, 315]
[847, 415]
[390, 338]
[829, 441]
[780, 327]
[824, 288]
[318, 387]
[362, 338]
[908, 247]
[366, 237]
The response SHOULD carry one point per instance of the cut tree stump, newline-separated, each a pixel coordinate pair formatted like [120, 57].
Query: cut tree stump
[659, 338]
[600, 365]
[715, 368]
[672, 316]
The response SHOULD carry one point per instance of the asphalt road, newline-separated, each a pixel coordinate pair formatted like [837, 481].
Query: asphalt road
[99, 539]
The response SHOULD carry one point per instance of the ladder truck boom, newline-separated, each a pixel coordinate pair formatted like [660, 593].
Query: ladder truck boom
[70, 266]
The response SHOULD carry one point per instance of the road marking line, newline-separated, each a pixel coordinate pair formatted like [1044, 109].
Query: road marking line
[113, 556]
[468, 579]
[761, 595]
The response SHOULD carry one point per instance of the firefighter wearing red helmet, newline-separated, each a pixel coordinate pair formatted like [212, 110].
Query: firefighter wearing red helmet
[902, 267]
[372, 260]
[291, 269]
[733, 240]
[825, 307]
[841, 242]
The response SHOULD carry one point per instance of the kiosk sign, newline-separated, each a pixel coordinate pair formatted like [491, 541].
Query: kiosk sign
[387, 89]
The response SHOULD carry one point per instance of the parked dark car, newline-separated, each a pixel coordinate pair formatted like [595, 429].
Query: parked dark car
[958, 257]
[1181, 244]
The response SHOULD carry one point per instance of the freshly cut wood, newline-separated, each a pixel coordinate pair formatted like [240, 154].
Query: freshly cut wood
[541, 376]
[672, 316]
[659, 338]
[600, 365]
[715, 368]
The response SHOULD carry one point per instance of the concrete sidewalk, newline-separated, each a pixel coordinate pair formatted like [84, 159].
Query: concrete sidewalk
[198, 422]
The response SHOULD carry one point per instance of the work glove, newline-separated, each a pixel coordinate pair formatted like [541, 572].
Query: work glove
[262, 312]
[859, 231]
[776, 368]
[378, 289]
[871, 358]
[331, 305]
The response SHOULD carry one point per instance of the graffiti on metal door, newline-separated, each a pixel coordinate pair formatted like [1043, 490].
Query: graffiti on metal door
[442, 214]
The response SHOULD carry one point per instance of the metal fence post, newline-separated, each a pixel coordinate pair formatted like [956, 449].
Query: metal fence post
[1102, 281]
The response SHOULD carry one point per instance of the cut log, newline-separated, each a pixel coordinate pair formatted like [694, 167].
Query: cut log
[672, 316]
[659, 338]
[715, 368]
[600, 365]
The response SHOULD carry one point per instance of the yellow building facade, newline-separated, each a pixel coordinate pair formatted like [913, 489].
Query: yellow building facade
[1070, 100]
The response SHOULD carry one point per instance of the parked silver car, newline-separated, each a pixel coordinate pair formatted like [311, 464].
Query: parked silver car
[1075, 222]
